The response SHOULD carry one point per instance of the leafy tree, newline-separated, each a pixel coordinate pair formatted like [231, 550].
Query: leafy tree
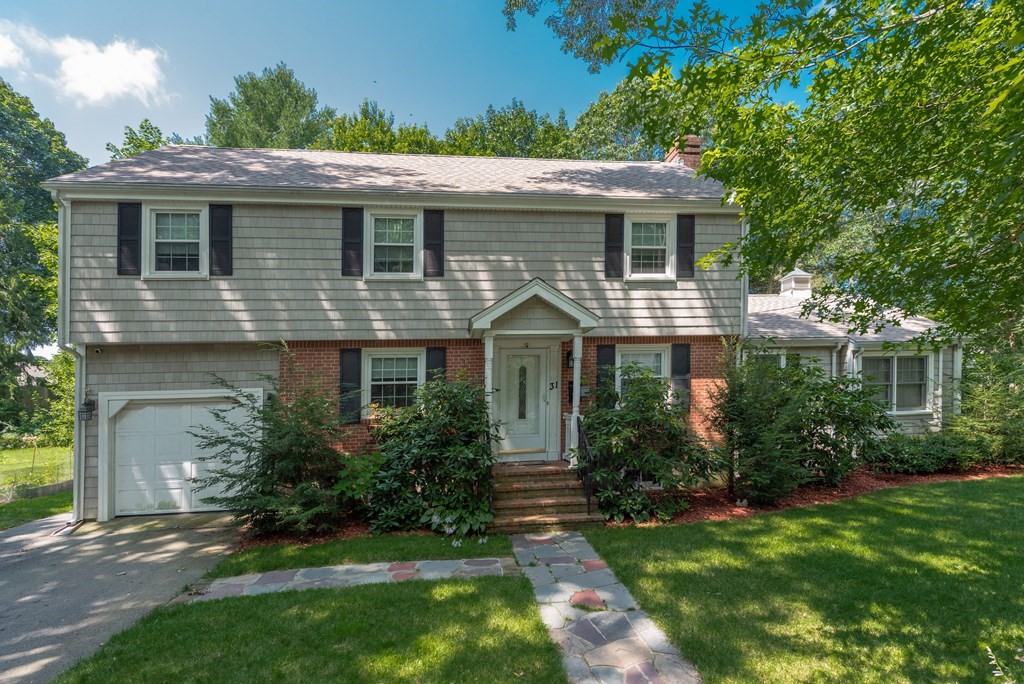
[512, 131]
[147, 138]
[611, 128]
[372, 129]
[58, 419]
[273, 109]
[911, 127]
[31, 150]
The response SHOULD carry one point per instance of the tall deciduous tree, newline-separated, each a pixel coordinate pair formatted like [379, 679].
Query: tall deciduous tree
[612, 127]
[272, 109]
[911, 132]
[372, 129]
[147, 137]
[512, 131]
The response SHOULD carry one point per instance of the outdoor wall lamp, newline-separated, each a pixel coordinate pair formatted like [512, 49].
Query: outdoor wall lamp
[86, 409]
[269, 402]
[569, 360]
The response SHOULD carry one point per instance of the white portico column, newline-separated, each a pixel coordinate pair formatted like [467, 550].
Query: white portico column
[489, 373]
[577, 368]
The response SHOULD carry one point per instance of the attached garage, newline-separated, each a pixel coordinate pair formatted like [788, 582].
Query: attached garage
[150, 455]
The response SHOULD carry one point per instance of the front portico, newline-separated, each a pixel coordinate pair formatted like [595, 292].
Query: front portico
[523, 334]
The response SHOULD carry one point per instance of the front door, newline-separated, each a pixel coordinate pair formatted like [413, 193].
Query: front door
[522, 402]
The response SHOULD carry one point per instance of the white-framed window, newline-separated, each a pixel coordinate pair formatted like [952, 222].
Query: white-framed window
[394, 244]
[655, 358]
[650, 252]
[782, 358]
[176, 240]
[900, 382]
[391, 376]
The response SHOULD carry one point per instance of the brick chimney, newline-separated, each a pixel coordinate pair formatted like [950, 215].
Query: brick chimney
[689, 155]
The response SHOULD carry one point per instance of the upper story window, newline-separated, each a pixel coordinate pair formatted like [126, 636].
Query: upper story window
[899, 382]
[650, 247]
[395, 245]
[176, 242]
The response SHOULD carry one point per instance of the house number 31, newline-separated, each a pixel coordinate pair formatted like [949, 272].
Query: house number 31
[553, 385]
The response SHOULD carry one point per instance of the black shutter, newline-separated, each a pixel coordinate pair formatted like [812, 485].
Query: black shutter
[613, 244]
[433, 243]
[220, 240]
[681, 373]
[351, 383]
[352, 241]
[437, 360]
[685, 238]
[605, 373]
[129, 239]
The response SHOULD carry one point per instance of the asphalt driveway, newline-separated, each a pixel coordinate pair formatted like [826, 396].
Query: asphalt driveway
[63, 596]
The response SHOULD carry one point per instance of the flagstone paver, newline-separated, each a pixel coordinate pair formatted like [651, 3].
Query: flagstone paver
[351, 575]
[603, 635]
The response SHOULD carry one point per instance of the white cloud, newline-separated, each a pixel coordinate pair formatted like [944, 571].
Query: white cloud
[11, 56]
[87, 73]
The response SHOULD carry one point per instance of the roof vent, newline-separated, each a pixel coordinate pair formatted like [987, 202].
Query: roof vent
[796, 283]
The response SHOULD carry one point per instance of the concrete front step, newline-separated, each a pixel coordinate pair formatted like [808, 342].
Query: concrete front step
[537, 523]
[540, 506]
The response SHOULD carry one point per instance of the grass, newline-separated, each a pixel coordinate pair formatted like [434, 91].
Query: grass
[902, 585]
[42, 466]
[391, 547]
[481, 630]
[26, 510]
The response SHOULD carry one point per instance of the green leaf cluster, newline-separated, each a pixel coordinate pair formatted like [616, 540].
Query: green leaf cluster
[276, 463]
[782, 427]
[437, 457]
[645, 454]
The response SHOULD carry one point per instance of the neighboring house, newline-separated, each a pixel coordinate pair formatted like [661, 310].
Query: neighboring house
[920, 386]
[376, 270]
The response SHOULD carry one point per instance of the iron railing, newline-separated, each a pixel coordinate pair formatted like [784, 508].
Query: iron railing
[584, 461]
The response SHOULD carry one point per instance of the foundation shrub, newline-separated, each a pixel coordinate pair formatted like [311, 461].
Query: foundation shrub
[436, 457]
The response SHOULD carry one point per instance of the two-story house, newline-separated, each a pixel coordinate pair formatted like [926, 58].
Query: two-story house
[376, 270]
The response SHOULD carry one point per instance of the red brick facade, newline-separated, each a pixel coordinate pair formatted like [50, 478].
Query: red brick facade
[317, 363]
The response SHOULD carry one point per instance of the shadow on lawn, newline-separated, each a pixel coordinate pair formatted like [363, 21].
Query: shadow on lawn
[905, 584]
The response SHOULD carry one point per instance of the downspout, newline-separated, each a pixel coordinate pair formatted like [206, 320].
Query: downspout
[835, 359]
[937, 395]
[745, 287]
[63, 289]
[958, 371]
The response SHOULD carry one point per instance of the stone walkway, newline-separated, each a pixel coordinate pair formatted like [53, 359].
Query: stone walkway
[603, 635]
[350, 576]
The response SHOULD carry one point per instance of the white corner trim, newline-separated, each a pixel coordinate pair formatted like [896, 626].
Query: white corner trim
[109, 404]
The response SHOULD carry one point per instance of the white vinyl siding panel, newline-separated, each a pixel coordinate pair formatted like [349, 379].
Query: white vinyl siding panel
[287, 281]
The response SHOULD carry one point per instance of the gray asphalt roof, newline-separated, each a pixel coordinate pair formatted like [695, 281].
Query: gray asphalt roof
[187, 165]
[778, 317]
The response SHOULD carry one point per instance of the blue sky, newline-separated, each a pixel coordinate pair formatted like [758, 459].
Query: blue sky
[93, 68]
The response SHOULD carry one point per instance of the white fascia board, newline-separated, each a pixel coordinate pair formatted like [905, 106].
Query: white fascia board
[521, 201]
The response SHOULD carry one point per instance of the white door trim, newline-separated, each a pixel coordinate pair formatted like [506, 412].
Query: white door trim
[110, 404]
[553, 406]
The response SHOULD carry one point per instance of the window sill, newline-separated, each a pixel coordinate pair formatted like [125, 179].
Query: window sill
[176, 276]
[650, 279]
[911, 413]
[407, 278]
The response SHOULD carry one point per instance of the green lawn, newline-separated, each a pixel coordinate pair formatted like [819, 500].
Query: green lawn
[481, 630]
[902, 585]
[45, 465]
[27, 510]
[389, 547]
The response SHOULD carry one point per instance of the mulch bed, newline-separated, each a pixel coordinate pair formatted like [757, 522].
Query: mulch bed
[715, 503]
[705, 504]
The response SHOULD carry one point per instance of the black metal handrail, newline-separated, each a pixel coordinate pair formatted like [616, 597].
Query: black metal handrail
[584, 461]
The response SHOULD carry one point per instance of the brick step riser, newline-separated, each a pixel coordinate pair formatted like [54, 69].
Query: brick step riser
[552, 510]
[515, 524]
[535, 479]
[538, 494]
[501, 528]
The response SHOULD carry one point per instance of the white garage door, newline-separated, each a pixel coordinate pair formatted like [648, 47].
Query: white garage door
[155, 457]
